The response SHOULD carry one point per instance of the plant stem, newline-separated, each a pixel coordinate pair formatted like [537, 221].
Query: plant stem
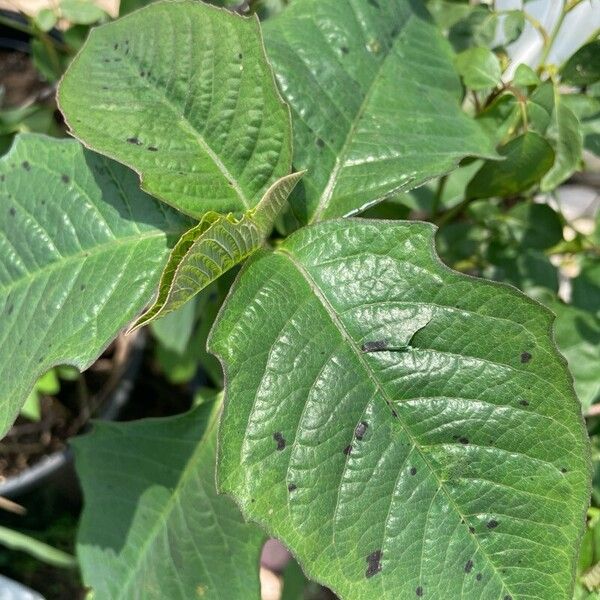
[567, 7]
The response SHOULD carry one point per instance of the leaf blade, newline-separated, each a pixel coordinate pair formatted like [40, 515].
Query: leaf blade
[395, 432]
[195, 112]
[82, 249]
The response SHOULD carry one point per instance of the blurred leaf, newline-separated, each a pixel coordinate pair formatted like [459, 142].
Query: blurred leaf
[501, 117]
[478, 28]
[31, 409]
[566, 135]
[174, 330]
[19, 541]
[583, 68]
[527, 158]
[586, 288]
[540, 107]
[513, 24]
[525, 76]
[153, 526]
[534, 225]
[46, 19]
[479, 68]
[43, 61]
[81, 12]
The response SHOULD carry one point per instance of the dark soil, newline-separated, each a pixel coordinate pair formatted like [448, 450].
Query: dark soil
[20, 82]
[66, 414]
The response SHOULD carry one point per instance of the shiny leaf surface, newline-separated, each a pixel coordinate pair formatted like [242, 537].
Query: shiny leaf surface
[81, 251]
[182, 93]
[406, 430]
[374, 98]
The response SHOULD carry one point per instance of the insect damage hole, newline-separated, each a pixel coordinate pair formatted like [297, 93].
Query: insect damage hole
[280, 440]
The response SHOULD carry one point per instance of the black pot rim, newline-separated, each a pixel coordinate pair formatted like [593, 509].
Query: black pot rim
[52, 464]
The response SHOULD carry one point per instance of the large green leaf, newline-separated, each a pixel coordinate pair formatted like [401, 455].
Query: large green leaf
[374, 98]
[214, 246]
[182, 93]
[406, 430]
[81, 251]
[153, 525]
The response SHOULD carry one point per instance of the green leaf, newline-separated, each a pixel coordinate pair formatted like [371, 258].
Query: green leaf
[512, 25]
[81, 251]
[540, 107]
[182, 93]
[477, 29]
[45, 19]
[174, 330]
[81, 12]
[214, 246]
[568, 144]
[583, 68]
[153, 526]
[404, 429]
[501, 118]
[375, 102]
[479, 68]
[16, 540]
[525, 76]
[527, 158]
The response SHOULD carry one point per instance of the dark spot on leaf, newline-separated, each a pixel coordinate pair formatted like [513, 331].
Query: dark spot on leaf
[373, 3]
[41, 359]
[508, 597]
[347, 450]
[413, 470]
[374, 563]
[106, 60]
[153, 148]
[394, 413]
[65, 178]
[230, 183]
[320, 143]
[492, 524]
[116, 46]
[563, 470]
[525, 357]
[12, 211]
[463, 440]
[82, 287]
[419, 591]
[2, 177]
[142, 74]
[374, 346]
[25, 164]
[43, 202]
[292, 487]
[468, 566]
[524, 403]
[472, 529]
[479, 576]
[10, 309]
[280, 440]
[360, 430]
[344, 50]
[134, 140]
[240, 56]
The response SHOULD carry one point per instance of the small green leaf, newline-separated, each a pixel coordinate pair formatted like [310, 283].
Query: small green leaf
[153, 526]
[540, 107]
[375, 102]
[501, 117]
[566, 134]
[583, 68]
[81, 251]
[173, 331]
[182, 93]
[81, 12]
[525, 76]
[218, 243]
[527, 158]
[479, 68]
[513, 24]
[45, 19]
[407, 431]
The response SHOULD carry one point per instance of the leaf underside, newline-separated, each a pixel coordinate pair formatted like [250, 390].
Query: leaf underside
[182, 93]
[214, 246]
[81, 251]
[405, 430]
[153, 526]
[374, 99]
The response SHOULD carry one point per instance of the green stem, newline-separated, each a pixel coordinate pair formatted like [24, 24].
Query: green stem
[441, 186]
[567, 7]
[17, 25]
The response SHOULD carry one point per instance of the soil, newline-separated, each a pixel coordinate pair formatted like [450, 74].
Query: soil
[66, 414]
[19, 80]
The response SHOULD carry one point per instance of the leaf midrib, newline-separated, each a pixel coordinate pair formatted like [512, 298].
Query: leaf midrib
[327, 193]
[346, 335]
